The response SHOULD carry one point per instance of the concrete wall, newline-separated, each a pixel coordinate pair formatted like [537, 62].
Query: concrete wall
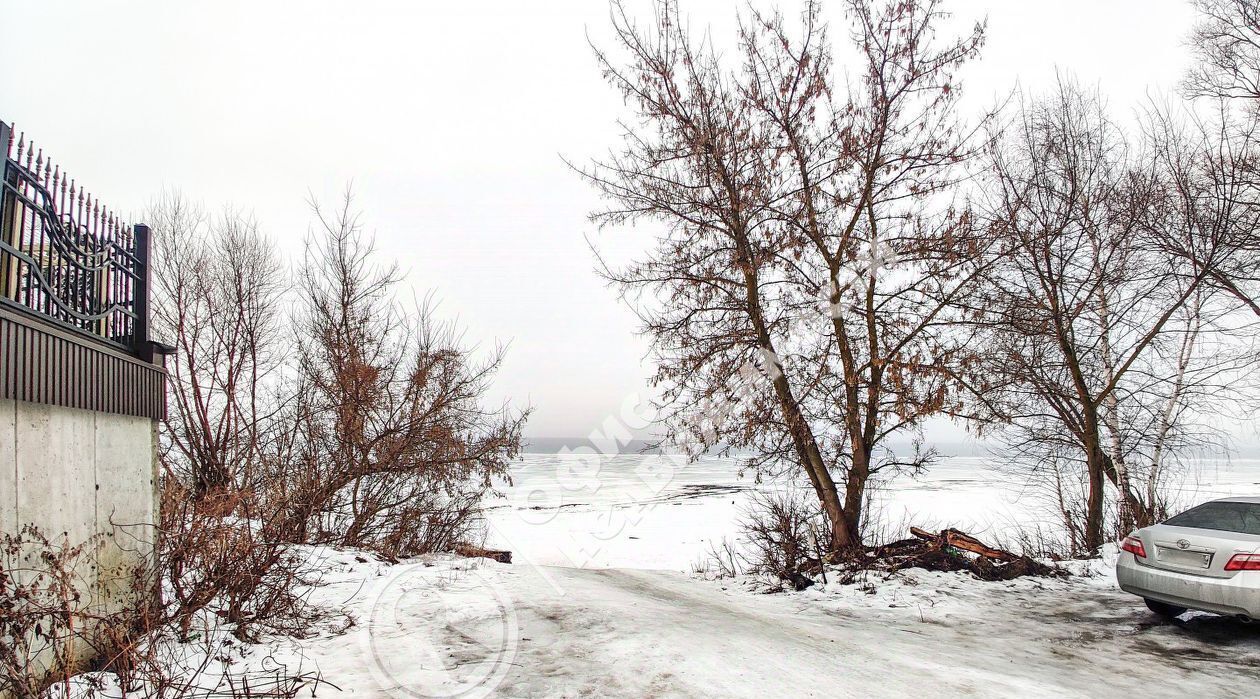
[76, 473]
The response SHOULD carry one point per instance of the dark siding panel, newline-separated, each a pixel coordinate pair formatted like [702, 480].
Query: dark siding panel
[42, 364]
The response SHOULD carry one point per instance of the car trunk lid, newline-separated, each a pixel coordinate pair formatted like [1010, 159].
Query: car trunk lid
[1195, 551]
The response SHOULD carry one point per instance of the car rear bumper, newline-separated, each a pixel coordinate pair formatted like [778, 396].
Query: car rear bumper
[1237, 595]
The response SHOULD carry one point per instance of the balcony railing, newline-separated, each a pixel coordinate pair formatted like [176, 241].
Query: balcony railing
[67, 258]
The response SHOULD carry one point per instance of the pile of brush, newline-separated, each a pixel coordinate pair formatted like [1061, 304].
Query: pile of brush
[953, 550]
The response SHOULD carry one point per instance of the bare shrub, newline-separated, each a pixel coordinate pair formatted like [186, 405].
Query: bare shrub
[723, 560]
[373, 432]
[786, 535]
[45, 595]
[238, 568]
[54, 626]
[393, 441]
[1037, 541]
[218, 298]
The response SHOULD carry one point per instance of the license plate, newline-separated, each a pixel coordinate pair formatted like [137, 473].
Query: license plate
[1189, 559]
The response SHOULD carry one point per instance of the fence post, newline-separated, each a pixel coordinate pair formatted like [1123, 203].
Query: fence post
[6, 132]
[140, 333]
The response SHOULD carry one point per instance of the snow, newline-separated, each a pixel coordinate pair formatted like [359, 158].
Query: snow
[446, 627]
[623, 511]
[600, 603]
[450, 627]
[655, 513]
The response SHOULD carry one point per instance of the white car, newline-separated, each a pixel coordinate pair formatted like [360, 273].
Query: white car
[1206, 558]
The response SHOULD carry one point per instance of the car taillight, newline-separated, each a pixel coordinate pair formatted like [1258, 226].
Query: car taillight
[1133, 545]
[1244, 561]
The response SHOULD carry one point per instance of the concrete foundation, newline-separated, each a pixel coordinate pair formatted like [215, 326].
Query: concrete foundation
[78, 473]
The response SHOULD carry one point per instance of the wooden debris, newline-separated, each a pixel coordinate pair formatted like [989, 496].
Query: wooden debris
[478, 552]
[946, 551]
[964, 542]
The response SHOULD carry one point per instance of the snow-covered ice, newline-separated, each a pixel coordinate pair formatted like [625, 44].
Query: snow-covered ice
[655, 513]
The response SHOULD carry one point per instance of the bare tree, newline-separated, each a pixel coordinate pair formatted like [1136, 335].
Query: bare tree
[1211, 169]
[1105, 339]
[1226, 42]
[809, 236]
[219, 290]
[393, 443]
[866, 200]
[1220, 152]
[1205, 218]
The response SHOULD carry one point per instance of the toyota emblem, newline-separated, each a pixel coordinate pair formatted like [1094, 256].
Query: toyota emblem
[1183, 544]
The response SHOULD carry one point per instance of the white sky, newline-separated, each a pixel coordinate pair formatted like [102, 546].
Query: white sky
[450, 118]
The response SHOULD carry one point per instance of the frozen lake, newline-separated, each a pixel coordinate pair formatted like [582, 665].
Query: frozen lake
[654, 512]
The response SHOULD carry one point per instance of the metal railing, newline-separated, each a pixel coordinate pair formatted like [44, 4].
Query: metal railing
[67, 258]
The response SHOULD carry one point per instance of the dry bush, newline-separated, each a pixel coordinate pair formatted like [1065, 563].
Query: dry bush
[391, 441]
[138, 653]
[45, 597]
[724, 560]
[362, 423]
[53, 625]
[432, 522]
[218, 298]
[1037, 541]
[786, 536]
[1057, 484]
[782, 537]
[239, 569]
[370, 429]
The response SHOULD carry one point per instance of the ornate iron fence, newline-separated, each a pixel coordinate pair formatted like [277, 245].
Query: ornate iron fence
[67, 258]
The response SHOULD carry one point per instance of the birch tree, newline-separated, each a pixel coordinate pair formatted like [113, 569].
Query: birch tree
[1106, 336]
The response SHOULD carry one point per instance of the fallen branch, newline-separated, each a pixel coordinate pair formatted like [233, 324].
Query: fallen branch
[964, 542]
[478, 552]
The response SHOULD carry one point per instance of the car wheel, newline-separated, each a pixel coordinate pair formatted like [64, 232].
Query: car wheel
[1163, 609]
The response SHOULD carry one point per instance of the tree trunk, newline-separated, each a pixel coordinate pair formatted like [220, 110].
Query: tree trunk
[855, 494]
[805, 445]
[1095, 462]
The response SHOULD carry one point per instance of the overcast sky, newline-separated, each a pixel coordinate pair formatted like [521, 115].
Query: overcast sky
[451, 119]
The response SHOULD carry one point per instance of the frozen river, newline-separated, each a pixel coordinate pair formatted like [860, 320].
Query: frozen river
[653, 512]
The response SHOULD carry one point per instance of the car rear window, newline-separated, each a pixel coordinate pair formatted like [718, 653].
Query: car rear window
[1242, 517]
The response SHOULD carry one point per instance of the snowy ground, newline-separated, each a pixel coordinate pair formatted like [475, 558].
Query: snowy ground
[449, 627]
[600, 603]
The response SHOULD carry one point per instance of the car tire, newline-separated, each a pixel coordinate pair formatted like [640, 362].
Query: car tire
[1163, 609]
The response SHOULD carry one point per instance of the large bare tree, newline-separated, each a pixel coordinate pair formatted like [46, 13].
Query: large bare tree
[1226, 44]
[809, 231]
[1225, 169]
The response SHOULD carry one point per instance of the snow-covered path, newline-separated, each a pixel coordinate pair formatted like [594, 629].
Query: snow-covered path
[640, 633]
[630, 633]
